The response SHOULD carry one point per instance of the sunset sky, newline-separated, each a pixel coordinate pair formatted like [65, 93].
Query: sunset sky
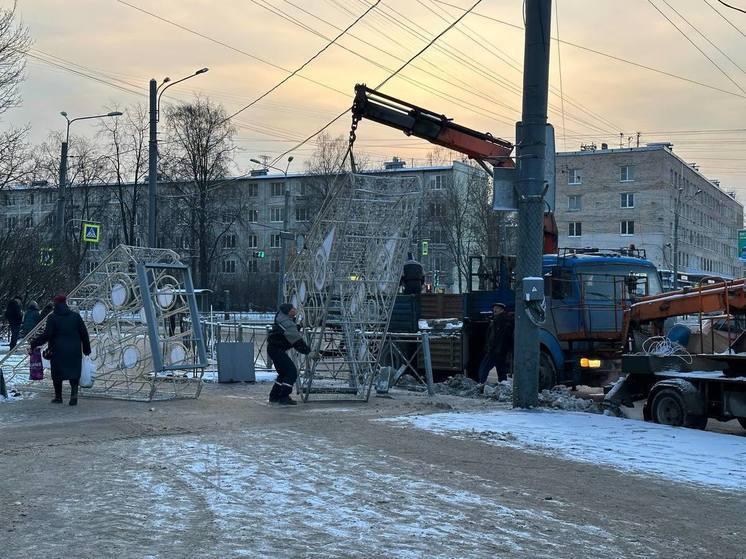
[472, 74]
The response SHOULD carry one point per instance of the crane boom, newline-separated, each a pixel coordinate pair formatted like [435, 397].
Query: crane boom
[430, 126]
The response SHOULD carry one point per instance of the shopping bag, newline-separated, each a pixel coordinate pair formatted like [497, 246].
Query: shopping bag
[87, 372]
[36, 367]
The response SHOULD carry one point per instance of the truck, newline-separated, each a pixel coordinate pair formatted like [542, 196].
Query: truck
[686, 379]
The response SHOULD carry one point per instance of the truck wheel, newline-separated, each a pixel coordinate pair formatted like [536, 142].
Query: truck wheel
[742, 421]
[667, 407]
[547, 372]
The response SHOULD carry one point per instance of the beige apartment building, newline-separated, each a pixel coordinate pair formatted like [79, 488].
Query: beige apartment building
[614, 198]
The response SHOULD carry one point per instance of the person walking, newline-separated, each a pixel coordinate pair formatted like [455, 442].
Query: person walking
[14, 316]
[499, 343]
[284, 336]
[67, 339]
[30, 319]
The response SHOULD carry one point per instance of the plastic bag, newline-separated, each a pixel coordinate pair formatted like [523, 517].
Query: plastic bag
[87, 372]
[36, 367]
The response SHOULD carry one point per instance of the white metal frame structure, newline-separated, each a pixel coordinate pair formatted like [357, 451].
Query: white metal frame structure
[128, 304]
[345, 280]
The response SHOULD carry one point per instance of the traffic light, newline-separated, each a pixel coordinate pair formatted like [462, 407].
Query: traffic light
[259, 254]
[425, 248]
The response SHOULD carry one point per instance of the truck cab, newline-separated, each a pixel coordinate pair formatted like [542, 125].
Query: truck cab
[587, 292]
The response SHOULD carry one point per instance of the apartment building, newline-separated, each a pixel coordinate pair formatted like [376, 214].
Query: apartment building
[651, 198]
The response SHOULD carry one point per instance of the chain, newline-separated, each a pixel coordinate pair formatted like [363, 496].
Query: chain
[353, 137]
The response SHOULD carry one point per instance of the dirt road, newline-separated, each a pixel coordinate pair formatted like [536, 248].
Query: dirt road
[228, 476]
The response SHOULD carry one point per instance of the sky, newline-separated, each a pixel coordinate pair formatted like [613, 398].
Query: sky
[472, 74]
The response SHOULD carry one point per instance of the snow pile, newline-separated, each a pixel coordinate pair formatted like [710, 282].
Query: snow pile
[560, 398]
[459, 385]
[13, 396]
[672, 453]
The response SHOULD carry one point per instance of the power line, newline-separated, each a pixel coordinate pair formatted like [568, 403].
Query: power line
[732, 7]
[306, 63]
[559, 62]
[696, 46]
[733, 25]
[385, 81]
[607, 55]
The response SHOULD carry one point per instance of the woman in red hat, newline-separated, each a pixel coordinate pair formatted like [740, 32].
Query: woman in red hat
[67, 339]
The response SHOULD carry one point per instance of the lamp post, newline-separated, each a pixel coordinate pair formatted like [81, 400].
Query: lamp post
[284, 234]
[155, 104]
[677, 212]
[63, 170]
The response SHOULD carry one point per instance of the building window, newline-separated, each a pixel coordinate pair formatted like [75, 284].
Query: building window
[301, 214]
[627, 228]
[436, 182]
[275, 266]
[252, 189]
[252, 241]
[10, 223]
[437, 237]
[575, 229]
[573, 176]
[28, 222]
[229, 266]
[573, 203]
[90, 266]
[275, 241]
[626, 173]
[278, 188]
[252, 216]
[252, 266]
[276, 215]
[628, 200]
[437, 210]
[229, 240]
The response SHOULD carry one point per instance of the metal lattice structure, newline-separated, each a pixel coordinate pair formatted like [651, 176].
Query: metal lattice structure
[130, 304]
[345, 280]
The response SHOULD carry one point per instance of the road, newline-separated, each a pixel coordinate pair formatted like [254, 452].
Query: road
[229, 476]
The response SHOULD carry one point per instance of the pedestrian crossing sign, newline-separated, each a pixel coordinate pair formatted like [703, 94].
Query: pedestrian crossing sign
[91, 232]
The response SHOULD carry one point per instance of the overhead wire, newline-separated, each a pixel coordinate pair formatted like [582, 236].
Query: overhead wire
[733, 25]
[732, 7]
[306, 63]
[385, 81]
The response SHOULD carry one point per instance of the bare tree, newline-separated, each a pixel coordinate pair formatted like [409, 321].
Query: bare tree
[127, 143]
[199, 157]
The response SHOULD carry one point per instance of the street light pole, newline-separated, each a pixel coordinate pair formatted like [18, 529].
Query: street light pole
[284, 233]
[155, 104]
[676, 215]
[60, 218]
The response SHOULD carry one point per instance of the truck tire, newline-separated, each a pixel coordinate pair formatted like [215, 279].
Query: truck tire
[547, 372]
[667, 407]
[742, 421]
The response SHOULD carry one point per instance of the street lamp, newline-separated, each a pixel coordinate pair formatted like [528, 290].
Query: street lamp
[677, 212]
[284, 234]
[155, 103]
[63, 169]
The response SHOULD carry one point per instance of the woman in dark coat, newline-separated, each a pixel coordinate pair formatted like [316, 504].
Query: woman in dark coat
[67, 339]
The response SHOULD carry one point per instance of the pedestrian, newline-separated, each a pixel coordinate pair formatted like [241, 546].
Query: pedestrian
[284, 336]
[67, 339]
[30, 319]
[413, 276]
[14, 316]
[498, 345]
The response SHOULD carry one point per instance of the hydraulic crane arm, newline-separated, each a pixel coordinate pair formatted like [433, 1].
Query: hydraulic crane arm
[430, 126]
[729, 296]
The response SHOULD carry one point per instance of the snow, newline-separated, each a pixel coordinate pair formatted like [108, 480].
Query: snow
[676, 454]
[261, 375]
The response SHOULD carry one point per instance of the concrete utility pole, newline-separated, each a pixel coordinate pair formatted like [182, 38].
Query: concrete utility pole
[676, 215]
[156, 92]
[530, 187]
[61, 195]
[153, 165]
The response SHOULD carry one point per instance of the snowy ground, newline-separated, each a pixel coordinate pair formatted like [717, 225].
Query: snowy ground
[678, 454]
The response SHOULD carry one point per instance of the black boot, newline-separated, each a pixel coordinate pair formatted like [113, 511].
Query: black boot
[74, 395]
[57, 392]
[287, 401]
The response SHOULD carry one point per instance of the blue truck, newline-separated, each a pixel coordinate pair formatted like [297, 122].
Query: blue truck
[582, 338]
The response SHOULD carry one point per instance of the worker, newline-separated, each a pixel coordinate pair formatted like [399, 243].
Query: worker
[413, 277]
[498, 345]
[284, 336]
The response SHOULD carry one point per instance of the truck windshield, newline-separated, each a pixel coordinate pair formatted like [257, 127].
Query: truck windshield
[606, 281]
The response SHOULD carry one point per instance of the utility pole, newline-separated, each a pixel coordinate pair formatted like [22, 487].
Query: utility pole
[530, 187]
[153, 165]
[677, 208]
[284, 241]
[61, 196]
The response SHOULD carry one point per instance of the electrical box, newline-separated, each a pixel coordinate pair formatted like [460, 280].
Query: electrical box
[533, 289]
